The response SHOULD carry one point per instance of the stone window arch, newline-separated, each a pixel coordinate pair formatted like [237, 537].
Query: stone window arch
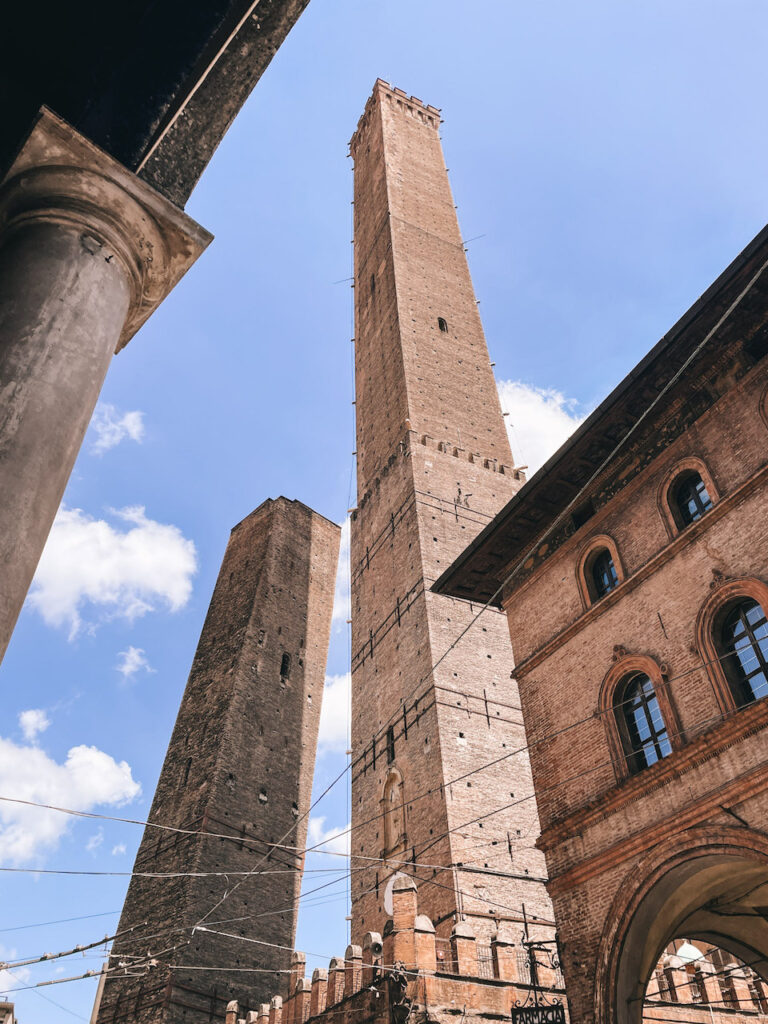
[599, 570]
[393, 811]
[688, 475]
[620, 713]
[729, 672]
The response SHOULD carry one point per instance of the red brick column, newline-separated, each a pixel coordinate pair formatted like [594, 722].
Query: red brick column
[404, 910]
[424, 943]
[335, 981]
[276, 1010]
[301, 1001]
[353, 970]
[232, 1011]
[464, 948]
[504, 958]
[319, 991]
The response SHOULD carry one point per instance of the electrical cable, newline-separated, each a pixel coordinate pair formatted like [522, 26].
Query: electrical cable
[62, 920]
[317, 848]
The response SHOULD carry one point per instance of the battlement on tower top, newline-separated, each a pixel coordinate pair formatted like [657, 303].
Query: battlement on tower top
[399, 100]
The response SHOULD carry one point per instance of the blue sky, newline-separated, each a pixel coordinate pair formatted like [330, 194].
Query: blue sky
[611, 157]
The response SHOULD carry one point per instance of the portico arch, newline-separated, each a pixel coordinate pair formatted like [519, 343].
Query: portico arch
[705, 883]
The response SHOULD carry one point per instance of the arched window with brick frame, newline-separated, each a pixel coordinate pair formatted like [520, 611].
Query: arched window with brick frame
[599, 570]
[732, 640]
[686, 493]
[638, 714]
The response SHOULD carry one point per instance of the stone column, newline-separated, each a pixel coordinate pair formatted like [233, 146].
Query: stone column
[87, 252]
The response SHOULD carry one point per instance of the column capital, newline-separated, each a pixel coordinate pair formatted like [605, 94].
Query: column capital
[59, 175]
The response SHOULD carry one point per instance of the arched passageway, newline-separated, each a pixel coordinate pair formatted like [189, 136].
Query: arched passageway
[710, 884]
[699, 983]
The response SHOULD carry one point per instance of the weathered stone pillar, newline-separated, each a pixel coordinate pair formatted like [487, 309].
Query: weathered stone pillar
[87, 252]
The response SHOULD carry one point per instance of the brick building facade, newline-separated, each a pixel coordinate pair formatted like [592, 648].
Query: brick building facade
[239, 769]
[434, 466]
[633, 568]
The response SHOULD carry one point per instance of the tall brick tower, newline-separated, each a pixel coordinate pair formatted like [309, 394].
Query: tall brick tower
[240, 764]
[434, 465]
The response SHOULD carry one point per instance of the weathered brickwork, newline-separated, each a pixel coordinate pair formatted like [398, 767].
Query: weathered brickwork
[408, 974]
[240, 764]
[639, 854]
[434, 466]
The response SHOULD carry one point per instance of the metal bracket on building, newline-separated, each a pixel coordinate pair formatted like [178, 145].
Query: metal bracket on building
[539, 1006]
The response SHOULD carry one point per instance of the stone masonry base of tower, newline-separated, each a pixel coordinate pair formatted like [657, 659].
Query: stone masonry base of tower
[236, 781]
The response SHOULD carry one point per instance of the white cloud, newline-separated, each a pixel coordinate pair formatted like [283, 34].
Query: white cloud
[333, 735]
[12, 979]
[342, 603]
[95, 841]
[132, 661]
[118, 850]
[32, 722]
[88, 778]
[334, 840]
[124, 572]
[109, 427]
[539, 421]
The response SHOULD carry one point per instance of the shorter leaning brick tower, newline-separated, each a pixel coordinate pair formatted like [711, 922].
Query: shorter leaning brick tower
[240, 765]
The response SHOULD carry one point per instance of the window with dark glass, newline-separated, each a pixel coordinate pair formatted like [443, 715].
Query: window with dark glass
[644, 733]
[744, 639]
[604, 575]
[285, 666]
[390, 744]
[691, 498]
[442, 324]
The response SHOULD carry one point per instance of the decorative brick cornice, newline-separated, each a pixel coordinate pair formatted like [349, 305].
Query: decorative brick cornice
[709, 745]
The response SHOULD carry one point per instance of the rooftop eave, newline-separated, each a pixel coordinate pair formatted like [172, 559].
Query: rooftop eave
[517, 531]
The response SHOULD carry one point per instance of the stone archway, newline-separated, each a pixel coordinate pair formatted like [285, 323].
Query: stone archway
[710, 883]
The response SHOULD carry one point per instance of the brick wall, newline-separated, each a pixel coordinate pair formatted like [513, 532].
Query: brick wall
[605, 827]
